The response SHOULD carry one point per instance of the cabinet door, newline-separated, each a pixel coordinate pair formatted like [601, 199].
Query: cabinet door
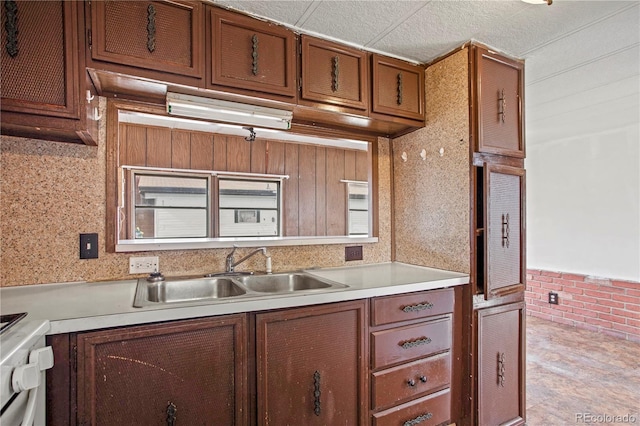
[501, 365]
[163, 36]
[311, 366]
[193, 370]
[398, 88]
[334, 74]
[504, 224]
[40, 58]
[246, 53]
[499, 89]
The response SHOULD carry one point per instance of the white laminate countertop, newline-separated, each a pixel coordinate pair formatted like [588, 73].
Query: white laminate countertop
[84, 306]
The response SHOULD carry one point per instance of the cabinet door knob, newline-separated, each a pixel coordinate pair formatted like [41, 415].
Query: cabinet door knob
[423, 379]
[411, 382]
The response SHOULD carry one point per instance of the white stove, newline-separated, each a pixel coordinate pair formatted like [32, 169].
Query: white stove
[23, 361]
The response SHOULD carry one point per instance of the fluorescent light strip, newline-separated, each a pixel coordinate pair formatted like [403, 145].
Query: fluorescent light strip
[234, 112]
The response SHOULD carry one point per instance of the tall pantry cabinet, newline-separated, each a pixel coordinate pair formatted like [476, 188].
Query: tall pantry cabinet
[465, 171]
[498, 236]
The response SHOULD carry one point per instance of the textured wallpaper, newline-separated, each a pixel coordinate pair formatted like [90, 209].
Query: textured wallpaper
[431, 196]
[50, 192]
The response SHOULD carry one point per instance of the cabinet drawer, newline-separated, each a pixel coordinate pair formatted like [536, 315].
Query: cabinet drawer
[410, 380]
[386, 310]
[429, 410]
[410, 342]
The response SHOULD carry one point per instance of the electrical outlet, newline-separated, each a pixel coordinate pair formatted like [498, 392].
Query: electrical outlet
[353, 253]
[553, 298]
[141, 265]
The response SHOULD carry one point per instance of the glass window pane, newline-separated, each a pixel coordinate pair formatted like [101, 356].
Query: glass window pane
[170, 206]
[249, 208]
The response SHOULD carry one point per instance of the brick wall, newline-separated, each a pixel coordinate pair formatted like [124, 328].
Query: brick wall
[607, 306]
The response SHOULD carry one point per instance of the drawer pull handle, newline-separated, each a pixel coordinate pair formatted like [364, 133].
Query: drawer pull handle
[413, 343]
[418, 420]
[11, 27]
[171, 414]
[151, 28]
[254, 55]
[417, 308]
[316, 393]
[411, 382]
[423, 379]
[400, 89]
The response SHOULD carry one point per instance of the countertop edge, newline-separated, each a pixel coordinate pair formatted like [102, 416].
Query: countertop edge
[146, 316]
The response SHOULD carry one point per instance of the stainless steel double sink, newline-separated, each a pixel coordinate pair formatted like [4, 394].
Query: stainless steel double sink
[209, 289]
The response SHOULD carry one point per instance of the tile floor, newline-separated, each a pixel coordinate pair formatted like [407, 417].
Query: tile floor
[573, 374]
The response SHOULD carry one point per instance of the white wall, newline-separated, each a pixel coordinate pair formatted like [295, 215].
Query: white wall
[583, 156]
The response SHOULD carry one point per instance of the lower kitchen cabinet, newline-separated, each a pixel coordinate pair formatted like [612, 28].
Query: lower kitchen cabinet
[192, 371]
[311, 365]
[501, 365]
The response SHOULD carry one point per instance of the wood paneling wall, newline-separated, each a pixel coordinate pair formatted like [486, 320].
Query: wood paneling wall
[314, 199]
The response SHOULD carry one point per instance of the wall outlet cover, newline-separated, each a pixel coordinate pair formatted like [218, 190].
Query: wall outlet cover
[144, 265]
[353, 253]
[88, 246]
[553, 298]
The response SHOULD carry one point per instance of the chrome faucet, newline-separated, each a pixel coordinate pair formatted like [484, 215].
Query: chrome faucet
[231, 264]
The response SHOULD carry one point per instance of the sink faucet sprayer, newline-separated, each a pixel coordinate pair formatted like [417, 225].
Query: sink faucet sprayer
[231, 264]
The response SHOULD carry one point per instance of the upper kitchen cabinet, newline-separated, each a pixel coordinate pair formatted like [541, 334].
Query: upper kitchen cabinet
[398, 88]
[498, 86]
[250, 55]
[334, 74]
[44, 87]
[153, 39]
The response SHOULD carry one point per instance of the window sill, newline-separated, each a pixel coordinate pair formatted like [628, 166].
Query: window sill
[124, 246]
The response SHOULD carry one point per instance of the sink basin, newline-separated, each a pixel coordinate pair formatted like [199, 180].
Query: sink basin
[188, 290]
[217, 288]
[284, 283]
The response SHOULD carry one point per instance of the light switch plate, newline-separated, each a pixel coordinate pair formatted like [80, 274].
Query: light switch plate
[88, 246]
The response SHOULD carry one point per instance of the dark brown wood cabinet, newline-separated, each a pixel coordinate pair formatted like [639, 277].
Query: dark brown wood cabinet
[45, 90]
[311, 365]
[500, 233]
[192, 370]
[397, 88]
[501, 365]
[411, 346]
[251, 55]
[334, 74]
[159, 35]
[498, 85]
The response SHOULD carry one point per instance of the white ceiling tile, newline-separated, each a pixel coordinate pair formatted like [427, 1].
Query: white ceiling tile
[443, 25]
[537, 25]
[286, 12]
[357, 22]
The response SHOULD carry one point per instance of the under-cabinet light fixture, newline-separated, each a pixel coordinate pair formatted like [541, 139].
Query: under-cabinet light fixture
[547, 2]
[226, 111]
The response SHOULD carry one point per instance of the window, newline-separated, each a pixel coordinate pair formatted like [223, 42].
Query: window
[249, 208]
[166, 204]
[358, 205]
